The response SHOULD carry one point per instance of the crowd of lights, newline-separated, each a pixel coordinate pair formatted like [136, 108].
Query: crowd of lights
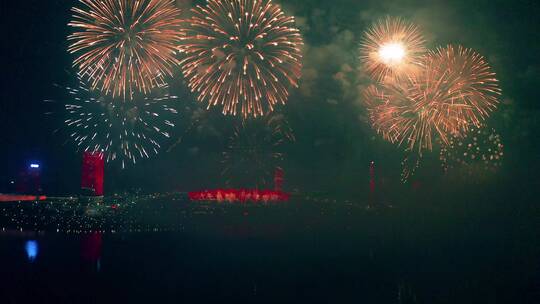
[159, 212]
[129, 213]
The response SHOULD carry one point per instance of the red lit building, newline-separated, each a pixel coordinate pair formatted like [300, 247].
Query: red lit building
[245, 195]
[92, 173]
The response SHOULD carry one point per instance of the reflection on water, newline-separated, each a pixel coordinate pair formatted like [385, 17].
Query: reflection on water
[162, 251]
[91, 245]
[406, 294]
[32, 250]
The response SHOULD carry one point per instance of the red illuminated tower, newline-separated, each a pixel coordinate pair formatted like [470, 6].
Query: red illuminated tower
[278, 179]
[372, 184]
[92, 173]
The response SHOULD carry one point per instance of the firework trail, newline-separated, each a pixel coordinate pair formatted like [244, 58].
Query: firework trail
[125, 46]
[409, 166]
[241, 54]
[125, 131]
[392, 48]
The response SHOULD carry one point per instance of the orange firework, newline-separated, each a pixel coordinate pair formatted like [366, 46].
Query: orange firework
[393, 114]
[242, 52]
[125, 45]
[391, 49]
[458, 87]
[455, 89]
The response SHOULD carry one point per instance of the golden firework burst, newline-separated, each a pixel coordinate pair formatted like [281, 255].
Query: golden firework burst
[244, 55]
[125, 45]
[392, 48]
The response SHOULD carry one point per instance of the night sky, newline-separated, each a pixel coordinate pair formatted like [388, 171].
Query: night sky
[334, 141]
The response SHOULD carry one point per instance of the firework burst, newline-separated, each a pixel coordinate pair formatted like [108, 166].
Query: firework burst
[392, 48]
[481, 148]
[454, 90]
[125, 131]
[393, 114]
[125, 46]
[242, 54]
[256, 147]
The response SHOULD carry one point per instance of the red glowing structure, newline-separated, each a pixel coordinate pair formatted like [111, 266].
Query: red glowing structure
[239, 195]
[92, 173]
[278, 179]
[21, 198]
[245, 195]
[372, 184]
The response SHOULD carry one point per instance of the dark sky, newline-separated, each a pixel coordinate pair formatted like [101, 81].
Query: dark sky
[334, 142]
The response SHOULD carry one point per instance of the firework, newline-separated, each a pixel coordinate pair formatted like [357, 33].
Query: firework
[241, 54]
[480, 149]
[125, 46]
[124, 131]
[454, 90]
[392, 48]
[256, 147]
[393, 114]
[409, 166]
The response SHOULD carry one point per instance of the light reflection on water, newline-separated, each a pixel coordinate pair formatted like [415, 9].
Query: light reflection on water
[32, 249]
[299, 252]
